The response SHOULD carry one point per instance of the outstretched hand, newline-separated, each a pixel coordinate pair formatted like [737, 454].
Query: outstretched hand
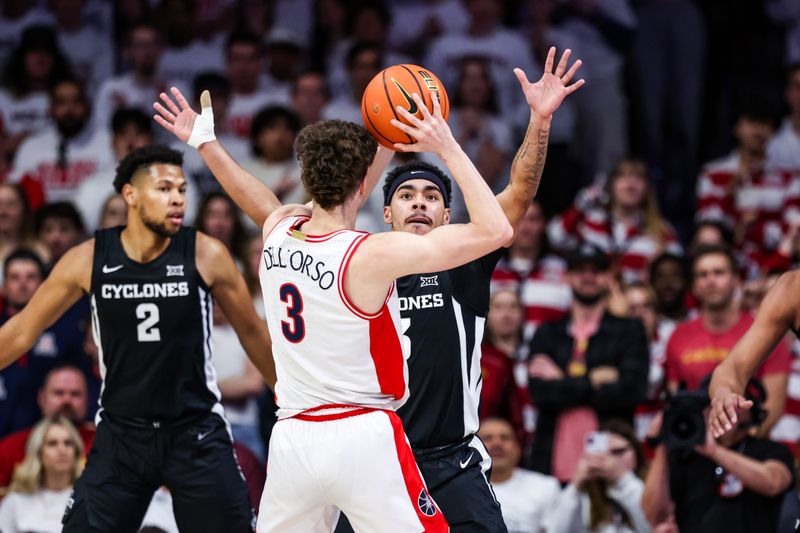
[431, 132]
[723, 416]
[546, 95]
[182, 121]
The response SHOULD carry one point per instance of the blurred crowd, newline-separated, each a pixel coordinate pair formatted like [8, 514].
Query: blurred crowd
[669, 205]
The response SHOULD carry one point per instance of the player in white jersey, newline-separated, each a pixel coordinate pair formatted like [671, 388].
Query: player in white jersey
[334, 318]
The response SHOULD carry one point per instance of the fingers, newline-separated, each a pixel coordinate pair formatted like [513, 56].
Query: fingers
[437, 106]
[163, 111]
[402, 126]
[170, 104]
[205, 99]
[551, 56]
[575, 86]
[562, 65]
[400, 147]
[413, 119]
[523, 79]
[426, 114]
[166, 125]
[571, 72]
[181, 100]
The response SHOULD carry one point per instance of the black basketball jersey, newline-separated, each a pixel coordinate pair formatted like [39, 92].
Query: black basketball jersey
[152, 324]
[443, 317]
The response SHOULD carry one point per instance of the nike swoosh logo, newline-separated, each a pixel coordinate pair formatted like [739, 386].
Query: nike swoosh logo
[412, 105]
[201, 436]
[108, 270]
[465, 463]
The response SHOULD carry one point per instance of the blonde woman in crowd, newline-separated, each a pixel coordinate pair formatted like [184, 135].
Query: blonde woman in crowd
[41, 485]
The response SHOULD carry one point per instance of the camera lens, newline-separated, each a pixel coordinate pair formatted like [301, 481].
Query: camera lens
[684, 428]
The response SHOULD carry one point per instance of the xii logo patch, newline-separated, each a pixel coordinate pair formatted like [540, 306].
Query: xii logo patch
[174, 270]
[430, 281]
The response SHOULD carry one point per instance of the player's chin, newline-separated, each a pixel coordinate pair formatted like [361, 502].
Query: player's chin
[418, 228]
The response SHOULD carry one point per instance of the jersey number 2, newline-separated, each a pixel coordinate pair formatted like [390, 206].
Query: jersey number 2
[296, 330]
[145, 331]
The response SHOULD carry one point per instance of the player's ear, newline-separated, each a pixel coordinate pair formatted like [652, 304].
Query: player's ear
[129, 194]
[446, 218]
[387, 214]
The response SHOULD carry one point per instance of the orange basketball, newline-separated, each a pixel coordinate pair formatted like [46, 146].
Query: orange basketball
[394, 86]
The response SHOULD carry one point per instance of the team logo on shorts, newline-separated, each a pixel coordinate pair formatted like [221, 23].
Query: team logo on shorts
[429, 281]
[425, 504]
[174, 270]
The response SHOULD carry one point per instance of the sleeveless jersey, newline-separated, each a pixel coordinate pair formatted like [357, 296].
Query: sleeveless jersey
[326, 350]
[152, 324]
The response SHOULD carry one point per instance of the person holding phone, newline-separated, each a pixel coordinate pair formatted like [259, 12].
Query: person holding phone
[605, 493]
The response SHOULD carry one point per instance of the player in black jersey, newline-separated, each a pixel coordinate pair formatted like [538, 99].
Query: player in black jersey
[160, 422]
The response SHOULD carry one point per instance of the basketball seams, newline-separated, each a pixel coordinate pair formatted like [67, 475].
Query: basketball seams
[391, 105]
[372, 128]
[422, 94]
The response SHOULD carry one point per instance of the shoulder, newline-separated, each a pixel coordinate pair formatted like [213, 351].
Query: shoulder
[281, 213]
[209, 251]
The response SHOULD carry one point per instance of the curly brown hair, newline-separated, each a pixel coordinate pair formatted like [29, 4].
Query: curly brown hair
[334, 157]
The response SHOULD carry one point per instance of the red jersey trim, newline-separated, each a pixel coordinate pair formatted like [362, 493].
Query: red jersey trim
[356, 410]
[340, 285]
[321, 238]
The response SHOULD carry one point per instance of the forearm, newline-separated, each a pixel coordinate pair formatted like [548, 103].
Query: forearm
[14, 341]
[754, 475]
[252, 196]
[528, 163]
[656, 501]
[729, 376]
[258, 346]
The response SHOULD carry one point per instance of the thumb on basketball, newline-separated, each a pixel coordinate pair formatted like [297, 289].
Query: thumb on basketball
[205, 99]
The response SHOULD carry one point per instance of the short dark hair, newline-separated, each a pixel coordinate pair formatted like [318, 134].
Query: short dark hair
[142, 158]
[714, 249]
[214, 82]
[667, 257]
[311, 72]
[23, 254]
[334, 157]
[126, 116]
[61, 211]
[757, 109]
[359, 48]
[723, 229]
[419, 165]
[70, 81]
[242, 37]
[270, 117]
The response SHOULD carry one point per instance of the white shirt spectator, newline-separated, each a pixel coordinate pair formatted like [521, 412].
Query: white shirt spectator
[244, 107]
[571, 513]
[229, 360]
[343, 108]
[525, 500]
[160, 513]
[40, 511]
[179, 66]
[90, 53]
[783, 150]
[407, 16]
[37, 158]
[294, 15]
[123, 91]
[29, 113]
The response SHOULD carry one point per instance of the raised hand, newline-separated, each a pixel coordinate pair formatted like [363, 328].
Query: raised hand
[546, 95]
[431, 132]
[723, 416]
[182, 121]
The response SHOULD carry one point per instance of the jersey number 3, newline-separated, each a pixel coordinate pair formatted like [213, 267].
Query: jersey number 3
[295, 330]
[145, 331]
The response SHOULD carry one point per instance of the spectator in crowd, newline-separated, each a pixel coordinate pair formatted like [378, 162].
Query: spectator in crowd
[59, 226]
[130, 129]
[244, 58]
[41, 487]
[669, 279]
[328, 32]
[140, 86]
[31, 72]
[624, 221]
[504, 391]
[484, 37]
[742, 192]
[415, 25]
[54, 162]
[64, 394]
[310, 95]
[202, 181]
[240, 384]
[535, 272]
[87, 48]
[16, 223]
[114, 212]
[585, 368]
[185, 54]
[783, 150]
[219, 217]
[526, 498]
[478, 127]
[253, 16]
[284, 56]
[272, 159]
[61, 343]
[711, 232]
[698, 345]
[736, 484]
[364, 61]
[604, 495]
[15, 17]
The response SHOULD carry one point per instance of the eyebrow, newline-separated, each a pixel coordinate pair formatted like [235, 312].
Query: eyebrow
[412, 188]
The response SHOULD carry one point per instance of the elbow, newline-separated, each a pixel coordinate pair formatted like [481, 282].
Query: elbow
[503, 235]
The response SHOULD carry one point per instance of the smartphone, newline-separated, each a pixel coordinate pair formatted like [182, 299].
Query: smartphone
[596, 442]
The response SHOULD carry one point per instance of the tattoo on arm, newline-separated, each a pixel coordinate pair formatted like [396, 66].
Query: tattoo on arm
[529, 172]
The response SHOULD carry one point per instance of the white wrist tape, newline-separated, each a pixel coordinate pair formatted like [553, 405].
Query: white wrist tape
[203, 130]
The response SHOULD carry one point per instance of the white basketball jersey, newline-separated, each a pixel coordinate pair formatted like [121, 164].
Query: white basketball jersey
[326, 350]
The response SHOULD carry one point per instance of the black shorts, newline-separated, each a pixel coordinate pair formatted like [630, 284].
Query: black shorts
[458, 479]
[194, 459]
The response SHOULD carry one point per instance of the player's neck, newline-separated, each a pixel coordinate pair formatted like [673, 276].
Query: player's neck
[141, 244]
[325, 221]
[721, 319]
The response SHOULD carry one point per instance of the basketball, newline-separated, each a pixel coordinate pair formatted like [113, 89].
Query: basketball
[394, 86]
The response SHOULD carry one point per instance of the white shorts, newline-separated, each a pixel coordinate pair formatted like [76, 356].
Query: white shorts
[358, 462]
